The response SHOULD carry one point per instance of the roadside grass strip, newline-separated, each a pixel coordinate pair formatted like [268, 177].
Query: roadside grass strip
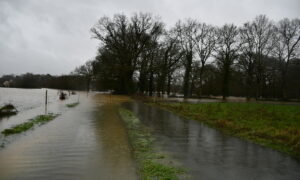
[38, 120]
[72, 105]
[151, 165]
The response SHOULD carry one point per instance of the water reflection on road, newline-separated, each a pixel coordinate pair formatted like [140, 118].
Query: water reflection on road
[85, 142]
[210, 154]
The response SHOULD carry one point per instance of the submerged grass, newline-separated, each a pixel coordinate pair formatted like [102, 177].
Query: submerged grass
[72, 104]
[150, 166]
[275, 126]
[38, 120]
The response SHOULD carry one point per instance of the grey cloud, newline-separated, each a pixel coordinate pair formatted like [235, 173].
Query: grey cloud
[52, 36]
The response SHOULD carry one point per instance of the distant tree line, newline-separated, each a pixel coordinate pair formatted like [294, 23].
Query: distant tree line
[138, 54]
[28, 80]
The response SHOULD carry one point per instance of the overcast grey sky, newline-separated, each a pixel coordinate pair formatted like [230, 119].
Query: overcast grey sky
[52, 36]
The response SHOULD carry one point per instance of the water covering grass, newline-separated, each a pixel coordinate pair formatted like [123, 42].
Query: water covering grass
[38, 120]
[72, 104]
[150, 162]
[275, 126]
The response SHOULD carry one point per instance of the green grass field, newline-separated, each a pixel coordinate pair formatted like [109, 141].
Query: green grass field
[275, 126]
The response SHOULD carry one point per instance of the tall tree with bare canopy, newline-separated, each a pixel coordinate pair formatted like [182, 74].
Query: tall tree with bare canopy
[286, 47]
[227, 52]
[185, 33]
[126, 38]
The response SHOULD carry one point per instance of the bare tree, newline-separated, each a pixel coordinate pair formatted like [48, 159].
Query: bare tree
[246, 61]
[171, 54]
[286, 47]
[204, 38]
[86, 70]
[263, 32]
[256, 42]
[227, 52]
[185, 33]
[126, 39]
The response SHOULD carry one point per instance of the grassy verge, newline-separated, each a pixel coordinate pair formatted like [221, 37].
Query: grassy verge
[38, 120]
[72, 104]
[150, 163]
[275, 126]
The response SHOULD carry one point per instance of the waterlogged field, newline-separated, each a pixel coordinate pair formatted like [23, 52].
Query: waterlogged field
[25, 99]
[30, 103]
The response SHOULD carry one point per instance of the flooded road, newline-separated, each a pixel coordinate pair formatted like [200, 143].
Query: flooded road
[209, 154]
[88, 141]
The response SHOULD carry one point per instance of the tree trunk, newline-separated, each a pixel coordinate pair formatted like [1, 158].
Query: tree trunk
[142, 82]
[226, 74]
[151, 84]
[249, 83]
[188, 68]
[201, 80]
[283, 85]
[169, 85]
[88, 81]
[126, 84]
[163, 82]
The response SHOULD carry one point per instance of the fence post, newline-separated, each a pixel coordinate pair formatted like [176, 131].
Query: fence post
[46, 101]
[46, 98]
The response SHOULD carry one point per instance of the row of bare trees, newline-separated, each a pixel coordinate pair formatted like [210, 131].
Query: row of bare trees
[29, 80]
[138, 54]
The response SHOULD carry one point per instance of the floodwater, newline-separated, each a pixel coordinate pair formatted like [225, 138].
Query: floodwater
[88, 141]
[25, 99]
[209, 154]
[31, 102]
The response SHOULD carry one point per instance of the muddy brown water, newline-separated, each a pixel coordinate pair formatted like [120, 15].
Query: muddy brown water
[209, 154]
[88, 141]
